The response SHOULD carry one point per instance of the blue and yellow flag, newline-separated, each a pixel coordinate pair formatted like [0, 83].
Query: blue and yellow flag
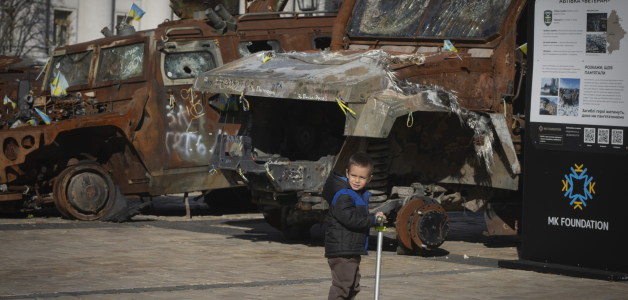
[448, 46]
[43, 116]
[136, 12]
[524, 48]
[59, 85]
[7, 101]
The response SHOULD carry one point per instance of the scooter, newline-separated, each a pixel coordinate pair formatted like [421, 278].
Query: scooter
[380, 241]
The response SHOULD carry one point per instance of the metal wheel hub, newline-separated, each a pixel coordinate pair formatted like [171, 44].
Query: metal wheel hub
[433, 228]
[422, 223]
[87, 192]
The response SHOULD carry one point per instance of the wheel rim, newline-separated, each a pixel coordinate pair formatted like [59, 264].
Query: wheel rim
[84, 191]
[431, 227]
[87, 192]
[405, 214]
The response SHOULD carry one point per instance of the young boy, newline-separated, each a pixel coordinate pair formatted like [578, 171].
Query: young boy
[348, 224]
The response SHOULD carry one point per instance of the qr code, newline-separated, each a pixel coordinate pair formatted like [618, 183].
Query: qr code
[602, 136]
[589, 135]
[618, 137]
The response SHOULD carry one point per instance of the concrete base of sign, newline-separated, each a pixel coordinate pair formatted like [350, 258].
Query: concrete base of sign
[562, 270]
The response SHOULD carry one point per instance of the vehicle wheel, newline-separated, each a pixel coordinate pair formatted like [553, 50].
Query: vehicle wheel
[422, 224]
[84, 191]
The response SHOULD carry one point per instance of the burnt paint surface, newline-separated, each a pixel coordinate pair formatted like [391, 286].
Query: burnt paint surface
[146, 147]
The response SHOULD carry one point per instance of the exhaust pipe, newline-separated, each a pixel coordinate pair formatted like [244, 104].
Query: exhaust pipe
[225, 15]
[215, 21]
[106, 32]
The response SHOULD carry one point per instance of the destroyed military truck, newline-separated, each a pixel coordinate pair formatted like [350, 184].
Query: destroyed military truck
[425, 87]
[127, 116]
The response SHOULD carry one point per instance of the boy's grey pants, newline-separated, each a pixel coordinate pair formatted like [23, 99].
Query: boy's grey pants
[345, 275]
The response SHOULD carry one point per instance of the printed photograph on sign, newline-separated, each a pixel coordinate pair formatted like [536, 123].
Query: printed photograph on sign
[569, 97]
[618, 137]
[596, 22]
[549, 87]
[596, 43]
[549, 106]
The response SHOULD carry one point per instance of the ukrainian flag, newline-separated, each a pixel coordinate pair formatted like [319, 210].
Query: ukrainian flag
[136, 12]
[448, 46]
[59, 85]
[524, 48]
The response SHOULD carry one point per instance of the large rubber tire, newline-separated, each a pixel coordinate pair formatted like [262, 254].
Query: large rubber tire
[84, 191]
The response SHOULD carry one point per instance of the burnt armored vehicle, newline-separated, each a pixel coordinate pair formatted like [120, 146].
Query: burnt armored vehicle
[127, 116]
[426, 87]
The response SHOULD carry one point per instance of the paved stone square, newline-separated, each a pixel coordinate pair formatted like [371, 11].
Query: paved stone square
[239, 256]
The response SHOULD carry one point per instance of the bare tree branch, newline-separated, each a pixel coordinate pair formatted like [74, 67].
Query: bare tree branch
[23, 28]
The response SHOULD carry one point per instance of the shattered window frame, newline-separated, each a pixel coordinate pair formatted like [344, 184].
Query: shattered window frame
[489, 25]
[145, 60]
[193, 46]
[61, 53]
[424, 20]
[386, 17]
[243, 50]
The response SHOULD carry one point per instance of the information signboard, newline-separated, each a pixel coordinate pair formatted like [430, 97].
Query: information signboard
[575, 156]
[579, 100]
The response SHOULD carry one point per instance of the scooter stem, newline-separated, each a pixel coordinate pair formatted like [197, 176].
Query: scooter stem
[380, 241]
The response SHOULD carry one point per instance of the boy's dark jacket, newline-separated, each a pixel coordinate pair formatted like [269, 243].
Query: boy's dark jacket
[348, 220]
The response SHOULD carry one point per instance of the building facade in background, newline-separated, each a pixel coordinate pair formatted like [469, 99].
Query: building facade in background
[32, 29]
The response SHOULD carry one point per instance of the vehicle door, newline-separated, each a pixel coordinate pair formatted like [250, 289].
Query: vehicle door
[190, 125]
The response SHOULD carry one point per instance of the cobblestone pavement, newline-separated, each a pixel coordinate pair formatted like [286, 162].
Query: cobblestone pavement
[239, 256]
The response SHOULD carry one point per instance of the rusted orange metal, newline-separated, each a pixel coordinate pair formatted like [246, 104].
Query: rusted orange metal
[125, 124]
[338, 33]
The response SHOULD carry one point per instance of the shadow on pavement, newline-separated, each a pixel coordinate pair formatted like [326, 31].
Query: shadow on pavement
[464, 226]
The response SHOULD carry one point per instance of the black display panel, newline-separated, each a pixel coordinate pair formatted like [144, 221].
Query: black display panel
[574, 191]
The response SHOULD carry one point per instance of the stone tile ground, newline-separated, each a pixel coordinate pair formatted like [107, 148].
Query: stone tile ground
[240, 257]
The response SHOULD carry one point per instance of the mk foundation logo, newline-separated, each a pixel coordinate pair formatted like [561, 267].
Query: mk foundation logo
[578, 187]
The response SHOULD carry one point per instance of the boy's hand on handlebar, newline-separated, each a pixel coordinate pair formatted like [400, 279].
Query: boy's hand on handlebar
[381, 214]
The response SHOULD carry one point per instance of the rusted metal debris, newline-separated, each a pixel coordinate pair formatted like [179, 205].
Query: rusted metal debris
[185, 9]
[435, 122]
[128, 117]
[7, 61]
[502, 219]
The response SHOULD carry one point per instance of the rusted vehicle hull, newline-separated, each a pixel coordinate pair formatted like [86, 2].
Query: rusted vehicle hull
[128, 107]
[438, 124]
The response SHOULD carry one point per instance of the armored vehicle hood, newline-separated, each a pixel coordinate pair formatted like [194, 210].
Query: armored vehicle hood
[374, 96]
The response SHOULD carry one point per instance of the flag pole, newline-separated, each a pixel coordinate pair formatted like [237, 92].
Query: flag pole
[127, 15]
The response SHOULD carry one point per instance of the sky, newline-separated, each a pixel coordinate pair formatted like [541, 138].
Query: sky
[546, 81]
[569, 83]
[551, 99]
